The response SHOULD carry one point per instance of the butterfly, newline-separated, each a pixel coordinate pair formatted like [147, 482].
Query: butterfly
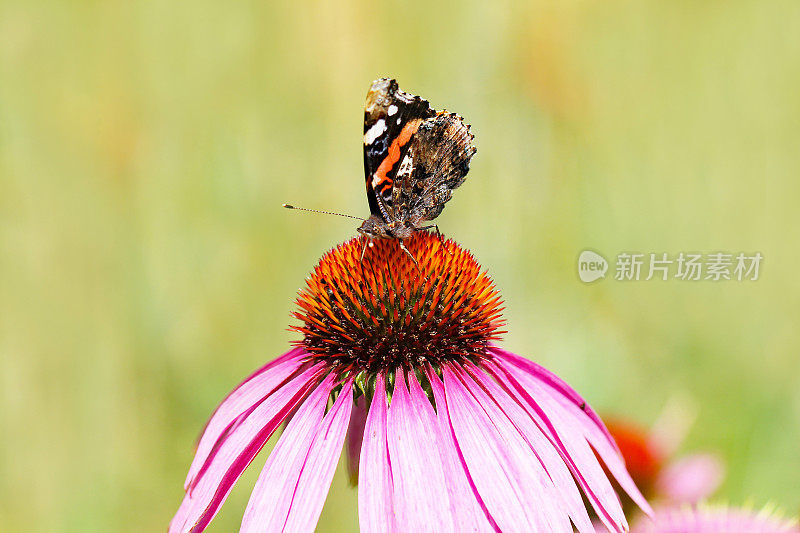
[414, 157]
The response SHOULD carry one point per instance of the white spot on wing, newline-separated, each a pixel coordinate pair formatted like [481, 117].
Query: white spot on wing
[374, 132]
[404, 96]
[392, 110]
[406, 165]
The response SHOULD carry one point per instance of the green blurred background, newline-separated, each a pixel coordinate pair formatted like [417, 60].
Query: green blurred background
[146, 265]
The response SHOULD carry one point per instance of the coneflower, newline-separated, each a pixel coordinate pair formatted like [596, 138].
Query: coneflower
[449, 432]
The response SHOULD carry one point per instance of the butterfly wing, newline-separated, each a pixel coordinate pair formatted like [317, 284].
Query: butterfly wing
[391, 118]
[435, 163]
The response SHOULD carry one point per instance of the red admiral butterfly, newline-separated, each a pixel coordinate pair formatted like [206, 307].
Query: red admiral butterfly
[414, 157]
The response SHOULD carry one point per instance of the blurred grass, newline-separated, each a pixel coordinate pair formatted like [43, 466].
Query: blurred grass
[146, 267]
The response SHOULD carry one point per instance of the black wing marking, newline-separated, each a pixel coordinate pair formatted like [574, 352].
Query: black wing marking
[391, 117]
[436, 163]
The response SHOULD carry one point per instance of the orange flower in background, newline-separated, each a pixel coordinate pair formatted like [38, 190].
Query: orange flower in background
[652, 460]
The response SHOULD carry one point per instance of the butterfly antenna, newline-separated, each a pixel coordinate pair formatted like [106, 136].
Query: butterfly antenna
[287, 206]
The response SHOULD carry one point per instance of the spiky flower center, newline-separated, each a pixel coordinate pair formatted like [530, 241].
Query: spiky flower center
[390, 311]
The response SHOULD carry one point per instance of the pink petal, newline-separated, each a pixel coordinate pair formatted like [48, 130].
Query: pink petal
[237, 406]
[508, 476]
[563, 484]
[291, 489]
[375, 493]
[690, 479]
[572, 405]
[417, 476]
[421, 497]
[471, 513]
[615, 463]
[234, 455]
[315, 480]
[557, 384]
[567, 434]
[355, 435]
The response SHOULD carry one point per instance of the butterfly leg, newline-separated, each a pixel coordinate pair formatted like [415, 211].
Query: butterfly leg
[367, 242]
[438, 233]
[434, 226]
[406, 250]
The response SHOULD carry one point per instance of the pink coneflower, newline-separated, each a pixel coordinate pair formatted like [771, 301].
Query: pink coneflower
[650, 456]
[718, 519]
[449, 431]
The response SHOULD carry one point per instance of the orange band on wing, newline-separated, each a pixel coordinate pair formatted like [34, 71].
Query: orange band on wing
[394, 153]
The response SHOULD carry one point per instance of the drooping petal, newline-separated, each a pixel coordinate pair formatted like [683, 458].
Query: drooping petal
[560, 483]
[557, 384]
[238, 405]
[567, 434]
[510, 479]
[470, 512]
[292, 487]
[375, 492]
[690, 479]
[421, 497]
[315, 481]
[202, 503]
[355, 436]
[612, 460]
[562, 400]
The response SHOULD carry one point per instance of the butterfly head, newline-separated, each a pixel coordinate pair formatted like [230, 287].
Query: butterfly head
[375, 228]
